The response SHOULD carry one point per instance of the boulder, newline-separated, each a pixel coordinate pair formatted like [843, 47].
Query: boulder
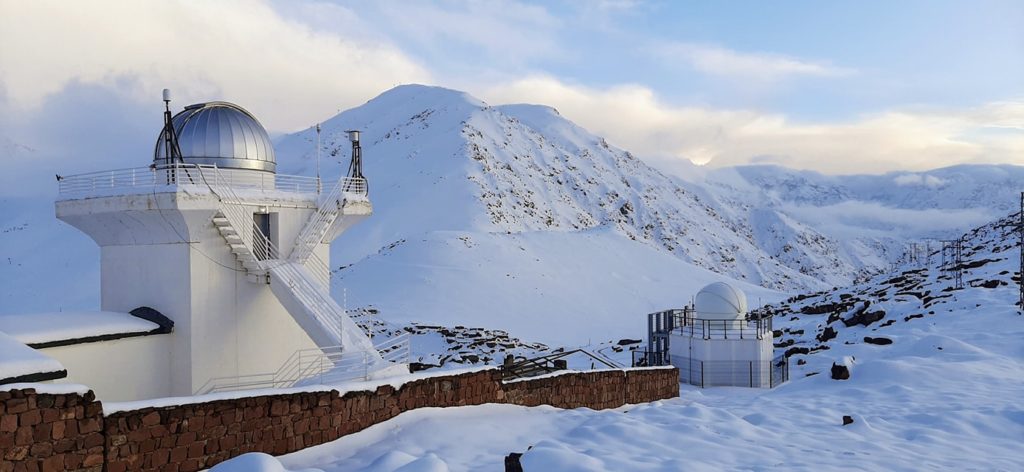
[827, 334]
[879, 341]
[840, 372]
[847, 419]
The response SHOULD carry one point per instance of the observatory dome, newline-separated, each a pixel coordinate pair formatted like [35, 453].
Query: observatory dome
[220, 133]
[720, 301]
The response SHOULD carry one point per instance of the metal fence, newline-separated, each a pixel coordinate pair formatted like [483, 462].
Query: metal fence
[760, 374]
[113, 182]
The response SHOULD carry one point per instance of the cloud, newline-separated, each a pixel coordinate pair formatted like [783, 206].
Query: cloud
[921, 180]
[757, 67]
[871, 219]
[283, 70]
[634, 118]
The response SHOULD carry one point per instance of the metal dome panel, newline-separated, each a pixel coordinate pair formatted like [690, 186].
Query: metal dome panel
[720, 301]
[220, 133]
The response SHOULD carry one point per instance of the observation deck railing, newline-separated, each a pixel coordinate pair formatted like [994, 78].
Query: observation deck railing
[148, 179]
[684, 322]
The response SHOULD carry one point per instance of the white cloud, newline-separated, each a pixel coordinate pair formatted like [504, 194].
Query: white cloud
[633, 117]
[923, 180]
[244, 51]
[751, 67]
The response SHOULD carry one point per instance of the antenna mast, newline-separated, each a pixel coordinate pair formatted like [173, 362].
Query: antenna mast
[318, 158]
[172, 153]
[355, 166]
[1020, 229]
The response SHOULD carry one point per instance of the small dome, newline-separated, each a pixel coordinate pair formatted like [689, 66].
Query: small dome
[220, 133]
[720, 301]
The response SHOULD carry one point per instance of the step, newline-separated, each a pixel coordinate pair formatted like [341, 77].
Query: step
[221, 221]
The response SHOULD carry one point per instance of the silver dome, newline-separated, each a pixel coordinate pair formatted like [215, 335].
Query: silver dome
[220, 133]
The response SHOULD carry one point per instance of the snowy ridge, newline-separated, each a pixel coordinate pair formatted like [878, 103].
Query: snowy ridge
[439, 160]
[917, 295]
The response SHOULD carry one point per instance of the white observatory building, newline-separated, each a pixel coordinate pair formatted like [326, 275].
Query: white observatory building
[715, 342]
[225, 259]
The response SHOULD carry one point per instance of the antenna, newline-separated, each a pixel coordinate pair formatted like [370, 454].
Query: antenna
[355, 166]
[172, 152]
[1020, 229]
[318, 158]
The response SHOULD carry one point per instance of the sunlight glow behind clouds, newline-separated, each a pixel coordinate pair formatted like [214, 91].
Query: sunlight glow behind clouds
[633, 118]
[294, 64]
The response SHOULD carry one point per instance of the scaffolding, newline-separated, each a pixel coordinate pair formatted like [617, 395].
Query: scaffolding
[952, 261]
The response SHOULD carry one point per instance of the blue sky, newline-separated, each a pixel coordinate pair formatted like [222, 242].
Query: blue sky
[837, 87]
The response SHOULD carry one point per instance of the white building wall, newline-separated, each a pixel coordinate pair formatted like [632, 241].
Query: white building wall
[153, 275]
[711, 362]
[163, 251]
[120, 369]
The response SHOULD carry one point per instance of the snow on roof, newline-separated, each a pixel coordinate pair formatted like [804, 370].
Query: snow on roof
[41, 328]
[18, 361]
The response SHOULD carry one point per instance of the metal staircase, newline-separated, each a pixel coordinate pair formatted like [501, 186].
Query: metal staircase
[302, 283]
[328, 209]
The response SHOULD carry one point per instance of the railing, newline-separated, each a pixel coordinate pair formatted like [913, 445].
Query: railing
[758, 374]
[319, 366]
[514, 369]
[313, 232]
[137, 179]
[644, 357]
[684, 322]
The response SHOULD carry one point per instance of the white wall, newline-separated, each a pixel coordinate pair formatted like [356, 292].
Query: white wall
[121, 369]
[163, 251]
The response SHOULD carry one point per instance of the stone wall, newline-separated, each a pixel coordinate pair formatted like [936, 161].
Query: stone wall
[196, 436]
[50, 432]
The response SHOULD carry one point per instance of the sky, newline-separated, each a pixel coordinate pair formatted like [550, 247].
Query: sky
[835, 87]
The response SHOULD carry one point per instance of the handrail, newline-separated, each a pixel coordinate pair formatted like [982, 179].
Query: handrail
[325, 365]
[312, 233]
[525, 366]
[146, 178]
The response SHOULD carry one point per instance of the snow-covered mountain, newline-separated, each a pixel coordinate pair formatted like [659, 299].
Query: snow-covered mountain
[843, 228]
[441, 160]
[512, 217]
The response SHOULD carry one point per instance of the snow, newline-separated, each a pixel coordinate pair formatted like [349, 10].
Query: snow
[943, 396]
[565, 289]
[914, 407]
[255, 462]
[17, 359]
[48, 388]
[36, 328]
[368, 385]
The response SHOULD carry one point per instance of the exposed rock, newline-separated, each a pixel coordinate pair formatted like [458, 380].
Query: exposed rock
[797, 350]
[840, 372]
[990, 284]
[864, 318]
[878, 341]
[512, 463]
[847, 419]
[827, 334]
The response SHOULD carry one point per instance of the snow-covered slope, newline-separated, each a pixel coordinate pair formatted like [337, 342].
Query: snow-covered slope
[903, 307]
[440, 160]
[844, 228]
[942, 395]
